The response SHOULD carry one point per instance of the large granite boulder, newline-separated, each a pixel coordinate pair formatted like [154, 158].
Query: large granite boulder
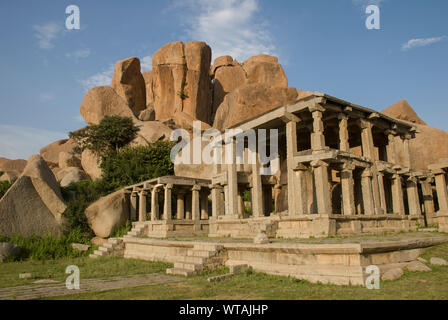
[129, 84]
[430, 144]
[51, 152]
[33, 204]
[181, 80]
[70, 175]
[69, 159]
[249, 101]
[150, 132]
[103, 101]
[90, 163]
[265, 69]
[148, 77]
[107, 214]
[13, 167]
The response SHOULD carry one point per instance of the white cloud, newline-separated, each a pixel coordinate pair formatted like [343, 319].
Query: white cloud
[22, 142]
[46, 33]
[103, 78]
[78, 54]
[230, 27]
[421, 42]
[146, 63]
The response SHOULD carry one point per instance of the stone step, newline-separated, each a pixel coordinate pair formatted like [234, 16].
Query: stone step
[208, 247]
[200, 253]
[115, 241]
[107, 245]
[179, 272]
[189, 259]
[188, 266]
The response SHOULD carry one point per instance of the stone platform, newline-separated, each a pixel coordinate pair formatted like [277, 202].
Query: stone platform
[336, 261]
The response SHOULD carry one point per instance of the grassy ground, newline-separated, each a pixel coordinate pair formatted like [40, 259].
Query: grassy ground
[89, 268]
[413, 285]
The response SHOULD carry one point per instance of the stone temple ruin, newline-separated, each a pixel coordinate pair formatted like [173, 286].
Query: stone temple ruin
[344, 169]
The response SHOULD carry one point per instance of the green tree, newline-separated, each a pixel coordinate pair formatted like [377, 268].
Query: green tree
[111, 134]
[4, 186]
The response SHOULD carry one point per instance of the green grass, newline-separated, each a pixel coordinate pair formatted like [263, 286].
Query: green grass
[104, 267]
[250, 285]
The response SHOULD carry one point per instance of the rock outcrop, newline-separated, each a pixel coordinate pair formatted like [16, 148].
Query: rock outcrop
[103, 101]
[150, 132]
[129, 84]
[51, 152]
[108, 213]
[68, 159]
[181, 80]
[12, 168]
[430, 144]
[33, 204]
[70, 175]
[249, 101]
[90, 163]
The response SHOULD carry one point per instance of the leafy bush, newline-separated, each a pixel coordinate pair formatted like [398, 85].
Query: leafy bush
[4, 186]
[111, 134]
[121, 231]
[47, 247]
[132, 165]
[78, 197]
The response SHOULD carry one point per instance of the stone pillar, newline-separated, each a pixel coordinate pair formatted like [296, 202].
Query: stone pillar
[133, 206]
[241, 208]
[322, 187]
[367, 192]
[204, 205]
[232, 183]
[257, 190]
[368, 148]
[291, 147]
[301, 194]
[397, 195]
[348, 192]
[380, 176]
[142, 206]
[217, 203]
[406, 151]
[390, 148]
[167, 202]
[442, 193]
[428, 199]
[180, 206]
[343, 132]
[413, 200]
[195, 203]
[317, 137]
[154, 204]
[226, 200]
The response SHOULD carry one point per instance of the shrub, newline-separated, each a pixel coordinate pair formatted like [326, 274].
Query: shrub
[111, 134]
[132, 165]
[47, 247]
[121, 231]
[4, 186]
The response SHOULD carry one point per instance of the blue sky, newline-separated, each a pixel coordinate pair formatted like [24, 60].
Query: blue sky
[323, 45]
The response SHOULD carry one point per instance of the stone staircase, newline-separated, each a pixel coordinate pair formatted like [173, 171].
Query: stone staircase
[112, 245]
[202, 257]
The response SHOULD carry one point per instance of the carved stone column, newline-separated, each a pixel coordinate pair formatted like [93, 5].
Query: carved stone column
[301, 194]
[428, 199]
[133, 206]
[232, 183]
[347, 186]
[195, 203]
[397, 195]
[204, 205]
[343, 132]
[442, 193]
[142, 206]
[322, 187]
[180, 206]
[217, 203]
[413, 200]
[257, 190]
[406, 151]
[317, 137]
[291, 147]
[367, 192]
[382, 191]
[390, 148]
[167, 206]
[155, 204]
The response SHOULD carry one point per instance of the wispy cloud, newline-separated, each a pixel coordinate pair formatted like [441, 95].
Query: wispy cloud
[78, 54]
[21, 142]
[146, 63]
[421, 42]
[46, 34]
[103, 78]
[230, 27]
